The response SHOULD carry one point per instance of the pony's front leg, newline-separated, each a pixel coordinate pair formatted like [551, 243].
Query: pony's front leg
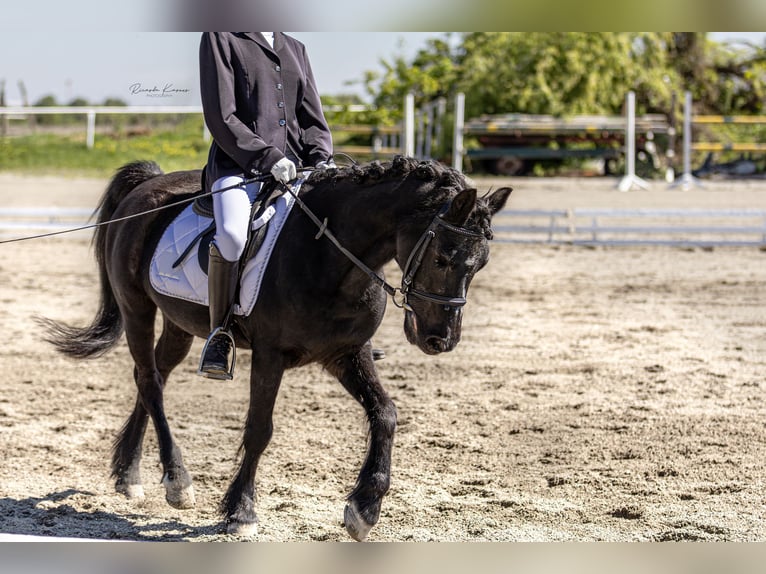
[357, 374]
[238, 506]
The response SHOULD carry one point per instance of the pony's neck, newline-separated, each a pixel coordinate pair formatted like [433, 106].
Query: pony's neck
[367, 219]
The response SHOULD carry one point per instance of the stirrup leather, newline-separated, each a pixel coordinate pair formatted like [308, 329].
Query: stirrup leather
[228, 375]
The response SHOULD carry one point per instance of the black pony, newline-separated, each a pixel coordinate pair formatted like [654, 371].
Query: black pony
[315, 305]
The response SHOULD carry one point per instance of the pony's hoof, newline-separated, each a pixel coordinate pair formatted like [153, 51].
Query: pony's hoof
[242, 529]
[178, 496]
[357, 528]
[131, 491]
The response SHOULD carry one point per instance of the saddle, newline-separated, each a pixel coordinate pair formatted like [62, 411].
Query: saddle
[176, 272]
[203, 206]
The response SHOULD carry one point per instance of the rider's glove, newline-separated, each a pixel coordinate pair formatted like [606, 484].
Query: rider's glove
[329, 164]
[284, 170]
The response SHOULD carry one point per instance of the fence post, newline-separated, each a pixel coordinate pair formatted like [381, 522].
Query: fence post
[670, 152]
[457, 148]
[630, 178]
[3, 117]
[429, 136]
[409, 125]
[205, 132]
[441, 109]
[90, 135]
[687, 179]
[420, 131]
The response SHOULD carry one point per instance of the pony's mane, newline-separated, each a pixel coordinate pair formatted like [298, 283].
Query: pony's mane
[375, 171]
[440, 183]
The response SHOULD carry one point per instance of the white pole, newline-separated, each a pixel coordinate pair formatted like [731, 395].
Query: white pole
[630, 136]
[90, 135]
[429, 135]
[630, 178]
[687, 179]
[409, 125]
[420, 130]
[687, 134]
[457, 148]
[205, 132]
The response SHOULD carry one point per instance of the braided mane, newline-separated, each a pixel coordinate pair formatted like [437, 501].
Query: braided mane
[439, 184]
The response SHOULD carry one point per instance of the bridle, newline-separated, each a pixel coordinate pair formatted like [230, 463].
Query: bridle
[414, 260]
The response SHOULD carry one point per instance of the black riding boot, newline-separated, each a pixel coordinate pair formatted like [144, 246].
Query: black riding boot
[222, 286]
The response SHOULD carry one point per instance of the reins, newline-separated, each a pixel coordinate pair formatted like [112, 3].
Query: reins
[196, 195]
[406, 290]
[322, 225]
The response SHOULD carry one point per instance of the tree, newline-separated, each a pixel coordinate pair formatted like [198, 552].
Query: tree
[48, 100]
[114, 102]
[734, 79]
[562, 73]
[431, 74]
[545, 73]
[78, 102]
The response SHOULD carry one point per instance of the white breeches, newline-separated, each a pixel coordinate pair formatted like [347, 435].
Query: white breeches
[231, 210]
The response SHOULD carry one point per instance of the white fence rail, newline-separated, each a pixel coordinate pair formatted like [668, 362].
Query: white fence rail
[15, 221]
[90, 113]
[679, 227]
[19, 112]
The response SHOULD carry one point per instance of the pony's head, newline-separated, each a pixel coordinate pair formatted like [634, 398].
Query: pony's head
[441, 253]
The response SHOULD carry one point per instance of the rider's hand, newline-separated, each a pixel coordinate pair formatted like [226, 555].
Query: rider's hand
[329, 164]
[284, 170]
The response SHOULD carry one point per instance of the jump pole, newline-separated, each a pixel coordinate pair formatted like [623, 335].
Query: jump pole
[457, 147]
[687, 180]
[630, 179]
[409, 125]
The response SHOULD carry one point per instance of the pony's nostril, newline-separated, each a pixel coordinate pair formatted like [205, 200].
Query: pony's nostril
[436, 344]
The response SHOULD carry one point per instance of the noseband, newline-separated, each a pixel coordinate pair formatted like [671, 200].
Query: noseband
[414, 260]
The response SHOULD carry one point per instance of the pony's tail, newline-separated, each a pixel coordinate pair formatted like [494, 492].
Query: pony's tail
[107, 326]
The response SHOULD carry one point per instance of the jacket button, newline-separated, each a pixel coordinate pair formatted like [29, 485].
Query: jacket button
[281, 105]
[279, 86]
[278, 68]
[282, 122]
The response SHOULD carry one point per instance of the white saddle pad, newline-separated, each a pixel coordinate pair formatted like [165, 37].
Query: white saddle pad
[188, 281]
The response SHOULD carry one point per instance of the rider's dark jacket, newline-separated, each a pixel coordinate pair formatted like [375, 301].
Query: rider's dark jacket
[260, 104]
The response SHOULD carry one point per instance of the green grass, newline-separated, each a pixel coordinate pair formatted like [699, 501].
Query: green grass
[173, 147]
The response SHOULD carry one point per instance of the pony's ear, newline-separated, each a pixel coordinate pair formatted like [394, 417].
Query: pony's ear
[461, 207]
[497, 200]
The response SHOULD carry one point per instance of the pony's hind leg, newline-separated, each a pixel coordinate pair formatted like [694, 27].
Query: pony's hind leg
[150, 374]
[126, 453]
[356, 372]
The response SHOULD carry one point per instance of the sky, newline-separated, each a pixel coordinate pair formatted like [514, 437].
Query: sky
[124, 65]
[99, 65]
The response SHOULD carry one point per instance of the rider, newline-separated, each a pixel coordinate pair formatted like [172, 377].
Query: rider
[261, 105]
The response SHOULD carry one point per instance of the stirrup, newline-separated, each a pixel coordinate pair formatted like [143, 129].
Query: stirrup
[229, 375]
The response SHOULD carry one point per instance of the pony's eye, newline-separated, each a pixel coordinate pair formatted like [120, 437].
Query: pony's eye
[442, 262]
